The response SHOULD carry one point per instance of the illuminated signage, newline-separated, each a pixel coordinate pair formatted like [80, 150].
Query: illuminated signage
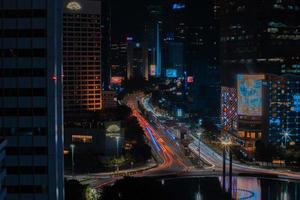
[250, 94]
[117, 80]
[113, 129]
[73, 5]
[152, 70]
[82, 139]
[178, 6]
[190, 79]
[129, 38]
[171, 73]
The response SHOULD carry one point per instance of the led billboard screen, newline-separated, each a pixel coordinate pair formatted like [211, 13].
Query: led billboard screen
[117, 80]
[152, 70]
[250, 94]
[171, 73]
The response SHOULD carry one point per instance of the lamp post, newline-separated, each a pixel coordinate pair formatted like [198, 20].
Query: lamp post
[199, 139]
[199, 148]
[226, 142]
[118, 138]
[72, 146]
[224, 168]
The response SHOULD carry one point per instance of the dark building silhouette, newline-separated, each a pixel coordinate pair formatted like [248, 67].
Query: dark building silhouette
[259, 37]
[105, 44]
[31, 102]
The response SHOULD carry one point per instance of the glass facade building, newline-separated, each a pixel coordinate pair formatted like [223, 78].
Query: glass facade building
[283, 108]
[259, 37]
[31, 104]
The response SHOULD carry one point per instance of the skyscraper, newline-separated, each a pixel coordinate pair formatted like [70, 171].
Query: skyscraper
[256, 38]
[31, 98]
[154, 38]
[82, 56]
[135, 60]
[105, 44]
[259, 37]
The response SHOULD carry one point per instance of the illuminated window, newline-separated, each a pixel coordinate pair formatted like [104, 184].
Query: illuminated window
[82, 139]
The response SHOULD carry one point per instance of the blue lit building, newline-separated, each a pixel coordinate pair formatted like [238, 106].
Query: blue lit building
[283, 97]
[153, 37]
[175, 61]
[31, 102]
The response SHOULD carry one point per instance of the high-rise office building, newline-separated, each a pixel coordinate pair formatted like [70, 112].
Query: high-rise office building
[135, 60]
[82, 56]
[256, 38]
[153, 38]
[105, 44]
[31, 103]
[283, 108]
[118, 59]
[259, 37]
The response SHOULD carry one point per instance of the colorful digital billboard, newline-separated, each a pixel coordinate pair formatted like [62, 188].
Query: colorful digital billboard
[250, 94]
[171, 73]
[152, 70]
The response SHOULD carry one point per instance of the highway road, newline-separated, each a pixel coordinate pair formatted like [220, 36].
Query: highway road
[172, 159]
[214, 161]
[167, 151]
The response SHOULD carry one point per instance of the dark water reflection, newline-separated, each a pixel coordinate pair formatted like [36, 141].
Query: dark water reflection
[244, 188]
[249, 188]
[265, 189]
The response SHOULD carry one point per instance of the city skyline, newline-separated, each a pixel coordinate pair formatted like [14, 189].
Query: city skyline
[149, 99]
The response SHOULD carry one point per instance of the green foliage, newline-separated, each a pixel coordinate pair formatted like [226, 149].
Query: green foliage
[92, 194]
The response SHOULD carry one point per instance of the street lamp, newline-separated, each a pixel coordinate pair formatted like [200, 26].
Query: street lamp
[226, 143]
[199, 149]
[72, 146]
[118, 138]
[199, 139]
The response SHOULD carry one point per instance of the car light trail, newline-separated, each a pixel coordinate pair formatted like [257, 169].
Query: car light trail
[171, 135]
[153, 139]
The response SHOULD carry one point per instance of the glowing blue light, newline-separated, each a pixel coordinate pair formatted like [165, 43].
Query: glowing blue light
[296, 102]
[179, 112]
[178, 6]
[171, 73]
[275, 121]
[153, 139]
[171, 134]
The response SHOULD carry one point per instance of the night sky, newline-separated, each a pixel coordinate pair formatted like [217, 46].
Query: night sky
[128, 16]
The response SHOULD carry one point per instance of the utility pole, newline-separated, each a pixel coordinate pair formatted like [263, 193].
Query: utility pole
[73, 163]
[224, 168]
[230, 174]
